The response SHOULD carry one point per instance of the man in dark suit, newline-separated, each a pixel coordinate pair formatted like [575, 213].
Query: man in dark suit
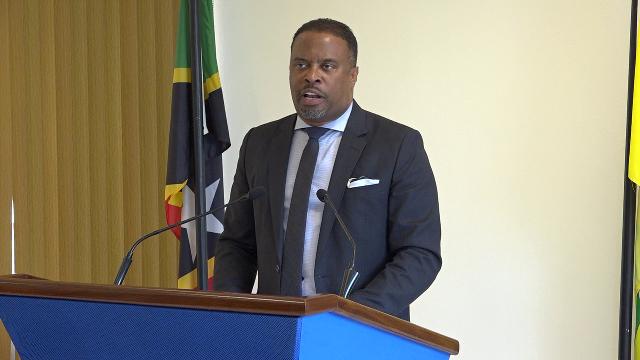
[375, 170]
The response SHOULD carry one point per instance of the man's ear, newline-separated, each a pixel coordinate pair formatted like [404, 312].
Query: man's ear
[354, 74]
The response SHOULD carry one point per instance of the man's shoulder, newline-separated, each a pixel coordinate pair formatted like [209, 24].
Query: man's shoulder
[382, 125]
[273, 126]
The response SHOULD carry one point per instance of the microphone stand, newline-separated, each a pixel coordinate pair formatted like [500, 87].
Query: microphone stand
[128, 259]
[350, 275]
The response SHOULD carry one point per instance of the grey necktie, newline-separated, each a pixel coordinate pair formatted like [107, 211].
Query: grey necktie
[296, 224]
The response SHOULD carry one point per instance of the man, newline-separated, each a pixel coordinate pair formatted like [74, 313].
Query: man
[376, 172]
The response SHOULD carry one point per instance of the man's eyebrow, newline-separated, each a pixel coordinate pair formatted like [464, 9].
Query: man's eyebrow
[326, 60]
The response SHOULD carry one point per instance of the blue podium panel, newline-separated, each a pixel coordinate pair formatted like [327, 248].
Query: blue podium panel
[48, 329]
[332, 336]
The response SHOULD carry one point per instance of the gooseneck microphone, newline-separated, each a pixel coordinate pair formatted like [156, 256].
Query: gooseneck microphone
[350, 275]
[254, 193]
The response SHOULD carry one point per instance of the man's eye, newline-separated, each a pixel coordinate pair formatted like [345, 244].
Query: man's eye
[328, 66]
[300, 66]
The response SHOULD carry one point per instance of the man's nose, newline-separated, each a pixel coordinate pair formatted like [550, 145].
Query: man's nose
[313, 74]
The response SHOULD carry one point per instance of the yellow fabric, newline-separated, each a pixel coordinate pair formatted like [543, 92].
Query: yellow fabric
[190, 280]
[211, 84]
[173, 193]
[634, 151]
[634, 175]
[181, 75]
[637, 249]
[637, 277]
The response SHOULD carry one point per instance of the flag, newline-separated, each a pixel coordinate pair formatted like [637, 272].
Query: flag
[634, 142]
[180, 184]
[634, 175]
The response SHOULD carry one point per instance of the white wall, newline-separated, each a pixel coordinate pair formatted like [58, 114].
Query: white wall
[522, 108]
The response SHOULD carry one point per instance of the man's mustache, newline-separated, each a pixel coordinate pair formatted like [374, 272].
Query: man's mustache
[311, 90]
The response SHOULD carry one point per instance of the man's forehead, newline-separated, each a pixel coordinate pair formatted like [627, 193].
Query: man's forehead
[319, 45]
[318, 37]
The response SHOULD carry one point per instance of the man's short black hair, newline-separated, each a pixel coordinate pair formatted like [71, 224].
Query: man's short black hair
[335, 28]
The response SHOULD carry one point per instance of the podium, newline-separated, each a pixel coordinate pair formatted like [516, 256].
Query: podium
[65, 321]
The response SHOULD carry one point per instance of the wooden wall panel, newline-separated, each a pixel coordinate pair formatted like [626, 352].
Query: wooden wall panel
[90, 102]
[5, 141]
[86, 106]
[20, 116]
[6, 179]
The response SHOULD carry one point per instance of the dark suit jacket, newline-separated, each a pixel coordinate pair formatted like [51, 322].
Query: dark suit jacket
[396, 223]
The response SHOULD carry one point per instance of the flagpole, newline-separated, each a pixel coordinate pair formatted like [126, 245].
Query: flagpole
[625, 334]
[196, 108]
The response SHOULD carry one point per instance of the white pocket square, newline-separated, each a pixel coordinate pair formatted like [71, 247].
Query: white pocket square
[361, 181]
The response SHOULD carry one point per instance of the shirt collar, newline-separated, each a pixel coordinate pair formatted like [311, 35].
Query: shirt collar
[338, 124]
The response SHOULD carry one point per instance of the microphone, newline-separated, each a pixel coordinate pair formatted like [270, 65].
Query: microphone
[254, 193]
[350, 275]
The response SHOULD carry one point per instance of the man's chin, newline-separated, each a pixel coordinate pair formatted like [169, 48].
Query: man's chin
[312, 114]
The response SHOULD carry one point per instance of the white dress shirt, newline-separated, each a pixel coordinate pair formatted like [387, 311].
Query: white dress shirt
[328, 148]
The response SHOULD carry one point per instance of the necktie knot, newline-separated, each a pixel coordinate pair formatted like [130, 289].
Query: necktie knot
[315, 132]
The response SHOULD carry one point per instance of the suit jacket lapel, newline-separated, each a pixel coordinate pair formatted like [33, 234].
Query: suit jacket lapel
[277, 172]
[351, 146]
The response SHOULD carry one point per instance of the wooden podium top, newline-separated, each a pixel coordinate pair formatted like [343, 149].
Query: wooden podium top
[26, 285]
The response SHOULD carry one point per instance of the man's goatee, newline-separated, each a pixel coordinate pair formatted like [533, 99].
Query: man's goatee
[312, 114]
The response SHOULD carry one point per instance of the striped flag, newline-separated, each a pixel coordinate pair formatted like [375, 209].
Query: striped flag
[179, 191]
[634, 150]
[634, 175]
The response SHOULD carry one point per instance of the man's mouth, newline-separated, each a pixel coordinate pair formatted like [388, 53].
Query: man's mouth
[311, 97]
[311, 93]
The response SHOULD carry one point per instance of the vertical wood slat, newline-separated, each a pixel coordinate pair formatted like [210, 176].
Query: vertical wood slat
[49, 138]
[33, 131]
[114, 122]
[6, 179]
[167, 18]
[148, 122]
[19, 115]
[65, 149]
[96, 54]
[130, 134]
[82, 145]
